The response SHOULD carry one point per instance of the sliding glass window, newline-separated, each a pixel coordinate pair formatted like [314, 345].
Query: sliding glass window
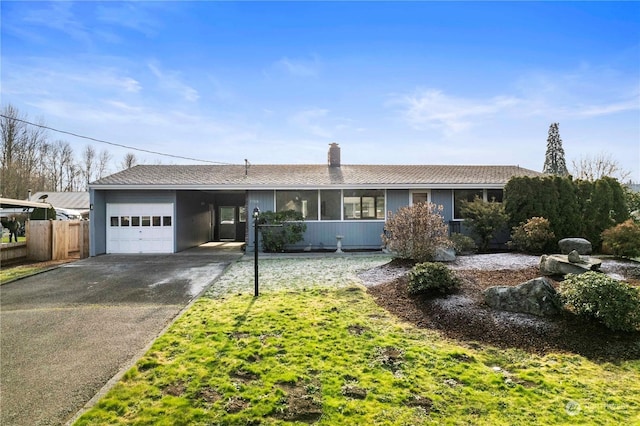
[330, 204]
[364, 204]
[305, 202]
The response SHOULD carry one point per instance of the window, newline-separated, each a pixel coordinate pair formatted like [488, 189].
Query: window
[135, 220]
[114, 221]
[494, 195]
[419, 197]
[124, 220]
[364, 204]
[166, 221]
[330, 205]
[460, 195]
[305, 202]
[156, 220]
[242, 214]
[146, 221]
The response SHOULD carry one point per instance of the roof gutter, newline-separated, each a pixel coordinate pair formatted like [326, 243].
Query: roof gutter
[188, 187]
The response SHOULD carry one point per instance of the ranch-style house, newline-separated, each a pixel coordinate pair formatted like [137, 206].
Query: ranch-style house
[170, 208]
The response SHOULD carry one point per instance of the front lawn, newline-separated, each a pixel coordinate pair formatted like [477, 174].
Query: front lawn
[315, 348]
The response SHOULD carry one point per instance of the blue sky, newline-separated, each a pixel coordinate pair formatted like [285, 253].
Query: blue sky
[392, 83]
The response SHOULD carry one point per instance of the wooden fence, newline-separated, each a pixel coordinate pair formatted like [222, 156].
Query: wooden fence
[12, 252]
[52, 240]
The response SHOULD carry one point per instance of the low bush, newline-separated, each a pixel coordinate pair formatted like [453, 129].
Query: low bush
[594, 295]
[286, 227]
[416, 232]
[431, 277]
[463, 243]
[533, 236]
[622, 240]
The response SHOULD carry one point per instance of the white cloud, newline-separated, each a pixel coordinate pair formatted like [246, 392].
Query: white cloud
[309, 121]
[586, 92]
[172, 81]
[58, 16]
[299, 67]
[433, 108]
[133, 16]
[608, 109]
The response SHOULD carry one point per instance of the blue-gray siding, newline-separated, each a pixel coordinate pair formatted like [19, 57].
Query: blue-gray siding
[193, 220]
[98, 216]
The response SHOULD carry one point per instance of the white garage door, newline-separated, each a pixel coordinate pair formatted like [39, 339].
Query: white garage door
[139, 228]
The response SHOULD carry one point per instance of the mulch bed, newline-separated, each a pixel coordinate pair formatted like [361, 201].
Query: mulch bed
[463, 316]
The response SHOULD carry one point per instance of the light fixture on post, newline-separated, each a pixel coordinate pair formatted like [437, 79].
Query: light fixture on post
[256, 213]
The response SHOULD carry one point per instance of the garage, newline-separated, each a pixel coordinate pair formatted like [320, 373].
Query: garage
[140, 228]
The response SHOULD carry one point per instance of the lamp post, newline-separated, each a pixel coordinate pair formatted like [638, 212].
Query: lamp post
[256, 213]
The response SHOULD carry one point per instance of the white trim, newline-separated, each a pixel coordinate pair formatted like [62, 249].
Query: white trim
[234, 187]
[419, 191]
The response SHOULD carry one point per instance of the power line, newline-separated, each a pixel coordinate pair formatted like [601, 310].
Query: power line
[111, 143]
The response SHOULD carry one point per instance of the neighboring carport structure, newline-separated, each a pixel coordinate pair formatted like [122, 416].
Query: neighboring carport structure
[13, 203]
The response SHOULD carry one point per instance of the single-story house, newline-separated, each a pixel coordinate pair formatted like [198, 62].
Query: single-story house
[170, 208]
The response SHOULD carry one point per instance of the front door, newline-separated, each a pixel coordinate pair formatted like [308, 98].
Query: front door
[227, 223]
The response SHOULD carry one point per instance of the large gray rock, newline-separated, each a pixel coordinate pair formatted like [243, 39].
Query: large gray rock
[560, 264]
[444, 255]
[537, 297]
[582, 246]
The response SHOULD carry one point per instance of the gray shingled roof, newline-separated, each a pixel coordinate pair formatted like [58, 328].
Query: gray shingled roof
[65, 200]
[296, 176]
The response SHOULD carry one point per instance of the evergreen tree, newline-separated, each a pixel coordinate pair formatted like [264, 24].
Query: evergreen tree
[554, 163]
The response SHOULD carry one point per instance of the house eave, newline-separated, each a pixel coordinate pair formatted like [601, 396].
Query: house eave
[268, 187]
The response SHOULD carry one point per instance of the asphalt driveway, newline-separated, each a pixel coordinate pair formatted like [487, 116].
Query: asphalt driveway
[65, 333]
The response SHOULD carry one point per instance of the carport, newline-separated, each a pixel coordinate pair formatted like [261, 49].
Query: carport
[137, 220]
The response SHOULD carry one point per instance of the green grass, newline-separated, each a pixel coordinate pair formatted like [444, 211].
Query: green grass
[14, 272]
[5, 239]
[330, 355]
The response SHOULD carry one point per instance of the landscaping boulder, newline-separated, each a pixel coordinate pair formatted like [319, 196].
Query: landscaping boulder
[573, 263]
[580, 245]
[536, 296]
[444, 255]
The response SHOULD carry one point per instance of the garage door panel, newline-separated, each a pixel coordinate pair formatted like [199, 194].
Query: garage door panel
[140, 228]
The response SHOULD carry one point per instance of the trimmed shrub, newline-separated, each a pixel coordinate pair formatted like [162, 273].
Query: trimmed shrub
[484, 219]
[553, 197]
[431, 277]
[594, 295]
[462, 243]
[605, 208]
[415, 232]
[533, 236]
[276, 238]
[623, 240]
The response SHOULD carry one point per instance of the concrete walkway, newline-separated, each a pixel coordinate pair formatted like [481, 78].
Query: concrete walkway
[65, 333]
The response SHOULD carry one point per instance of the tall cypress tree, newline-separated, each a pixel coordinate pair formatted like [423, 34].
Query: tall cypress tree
[554, 163]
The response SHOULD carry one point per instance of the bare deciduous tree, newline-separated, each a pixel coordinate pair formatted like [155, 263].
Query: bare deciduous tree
[600, 165]
[88, 165]
[20, 158]
[103, 164]
[129, 161]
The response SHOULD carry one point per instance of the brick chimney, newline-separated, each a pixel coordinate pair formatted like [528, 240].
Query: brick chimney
[334, 155]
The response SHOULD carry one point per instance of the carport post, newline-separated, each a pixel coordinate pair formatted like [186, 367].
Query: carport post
[256, 213]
